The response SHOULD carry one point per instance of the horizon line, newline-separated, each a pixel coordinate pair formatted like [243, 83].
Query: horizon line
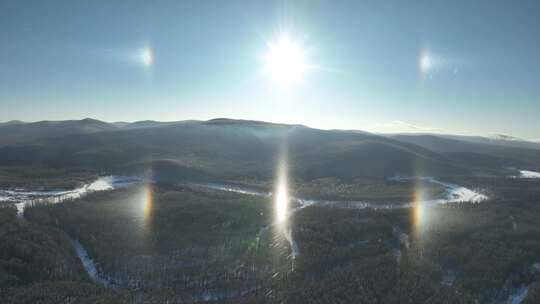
[416, 132]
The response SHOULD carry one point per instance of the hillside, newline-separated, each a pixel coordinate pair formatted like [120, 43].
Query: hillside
[231, 149]
[19, 133]
[479, 152]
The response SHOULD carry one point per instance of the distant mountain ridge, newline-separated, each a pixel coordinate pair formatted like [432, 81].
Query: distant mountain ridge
[238, 148]
[497, 139]
[475, 150]
[19, 132]
[221, 147]
[22, 133]
[11, 122]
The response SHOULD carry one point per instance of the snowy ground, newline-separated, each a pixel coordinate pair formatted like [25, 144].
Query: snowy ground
[454, 193]
[23, 198]
[528, 174]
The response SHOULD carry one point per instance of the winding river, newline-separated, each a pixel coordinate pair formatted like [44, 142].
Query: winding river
[89, 265]
[23, 198]
[454, 193]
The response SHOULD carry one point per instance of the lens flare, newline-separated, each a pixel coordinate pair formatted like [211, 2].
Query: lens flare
[425, 63]
[419, 208]
[282, 202]
[419, 213]
[148, 202]
[147, 57]
[283, 225]
[144, 208]
[281, 195]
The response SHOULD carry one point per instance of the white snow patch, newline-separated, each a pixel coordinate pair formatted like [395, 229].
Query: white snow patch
[24, 198]
[454, 193]
[234, 189]
[102, 184]
[528, 174]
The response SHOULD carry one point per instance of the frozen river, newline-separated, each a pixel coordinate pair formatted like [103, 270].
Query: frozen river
[528, 174]
[23, 198]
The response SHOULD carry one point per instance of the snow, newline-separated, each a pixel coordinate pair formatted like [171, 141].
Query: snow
[24, 197]
[528, 174]
[89, 264]
[454, 193]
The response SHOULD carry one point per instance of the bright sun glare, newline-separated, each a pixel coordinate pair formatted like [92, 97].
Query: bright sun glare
[425, 63]
[282, 202]
[284, 62]
[147, 57]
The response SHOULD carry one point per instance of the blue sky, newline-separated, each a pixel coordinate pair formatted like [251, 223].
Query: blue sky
[76, 59]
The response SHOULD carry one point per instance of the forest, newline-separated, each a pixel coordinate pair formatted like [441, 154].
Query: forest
[159, 242]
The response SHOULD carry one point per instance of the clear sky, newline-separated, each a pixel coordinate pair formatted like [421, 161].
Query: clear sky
[460, 66]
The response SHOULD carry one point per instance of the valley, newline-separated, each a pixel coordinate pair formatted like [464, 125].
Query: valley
[183, 222]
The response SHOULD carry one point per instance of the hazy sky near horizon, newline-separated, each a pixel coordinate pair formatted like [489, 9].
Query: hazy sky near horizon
[461, 66]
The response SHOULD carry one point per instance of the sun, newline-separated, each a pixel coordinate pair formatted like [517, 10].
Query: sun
[284, 62]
